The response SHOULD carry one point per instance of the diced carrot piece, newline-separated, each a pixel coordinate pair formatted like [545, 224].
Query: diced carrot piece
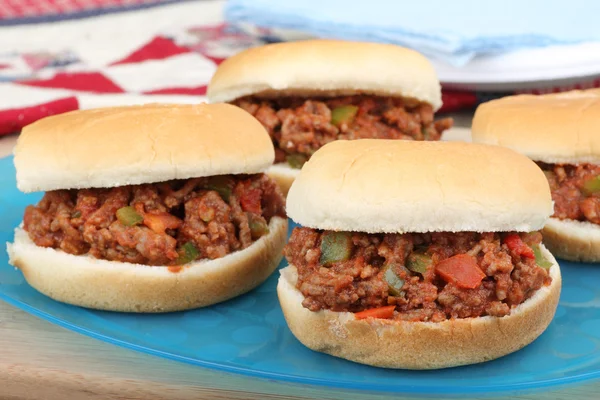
[381, 312]
[461, 270]
[160, 222]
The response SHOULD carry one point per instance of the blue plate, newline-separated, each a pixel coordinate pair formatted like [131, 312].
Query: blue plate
[248, 335]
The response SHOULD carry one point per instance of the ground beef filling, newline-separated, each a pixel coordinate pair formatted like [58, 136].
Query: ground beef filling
[375, 273]
[575, 190]
[168, 223]
[299, 126]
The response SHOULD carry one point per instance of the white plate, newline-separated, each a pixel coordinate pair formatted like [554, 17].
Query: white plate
[457, 134]
[542, 68]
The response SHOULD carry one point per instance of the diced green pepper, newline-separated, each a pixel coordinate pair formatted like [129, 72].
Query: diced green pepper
[343, 115]
[76, 214]
[395, 283]
[539, 257]
[425, 133]
[592, 186]
[187, 253]
[222, 185]
[418, 262]
[258, 227]
[296, 160]
[128, 216]
[335, 246]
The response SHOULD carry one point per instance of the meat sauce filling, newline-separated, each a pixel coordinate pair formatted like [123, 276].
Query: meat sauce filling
[300, 126]
[575, 190]
[170, 223]
[417, 276]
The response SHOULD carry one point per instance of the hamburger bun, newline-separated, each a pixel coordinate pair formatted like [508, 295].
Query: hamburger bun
[284, 175]
[418, 345]
[119, 286]
[326, 68]
[110, 147]
[573, 240]
[381, 186]
[121, 146]
[376, 185]
[557, 129]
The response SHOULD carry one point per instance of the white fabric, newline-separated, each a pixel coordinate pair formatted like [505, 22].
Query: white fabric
[183, 70]
[104, 39]
[17, 96]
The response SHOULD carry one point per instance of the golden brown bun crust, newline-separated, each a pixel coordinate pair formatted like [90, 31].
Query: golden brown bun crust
[418, 345]
[376, 185]
[573, 240]
[326, 67]
[115, 286]
[285, 175]
[119, 146]
[556, 128]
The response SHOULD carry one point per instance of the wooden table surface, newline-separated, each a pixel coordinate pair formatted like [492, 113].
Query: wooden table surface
[39, 360]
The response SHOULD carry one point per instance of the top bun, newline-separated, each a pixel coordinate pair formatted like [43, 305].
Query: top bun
[377, 185]
[119, 146]
[326, 68]
[554, 128]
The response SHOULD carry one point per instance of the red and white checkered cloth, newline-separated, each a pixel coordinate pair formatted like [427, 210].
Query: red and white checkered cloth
[174, 67]
[112, 63]
[19, 9]
[158, 67]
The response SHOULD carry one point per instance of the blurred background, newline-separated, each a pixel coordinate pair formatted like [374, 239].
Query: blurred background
[61, 55]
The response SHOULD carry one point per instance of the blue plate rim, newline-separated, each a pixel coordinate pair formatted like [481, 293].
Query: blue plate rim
[490, 390]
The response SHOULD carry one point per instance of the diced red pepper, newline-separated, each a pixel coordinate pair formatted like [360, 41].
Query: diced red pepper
[517, 246]
[381, 312]
[461, 270]
[250, 200]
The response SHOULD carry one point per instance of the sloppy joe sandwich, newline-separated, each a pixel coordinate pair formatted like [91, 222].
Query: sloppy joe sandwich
[149, 208]
[309, 93]
[418, 255]
[558, 132]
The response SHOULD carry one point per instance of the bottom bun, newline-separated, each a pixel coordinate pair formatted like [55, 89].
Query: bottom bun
[418, 345]
[117, 286]
[284, 175]
[572, 240]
